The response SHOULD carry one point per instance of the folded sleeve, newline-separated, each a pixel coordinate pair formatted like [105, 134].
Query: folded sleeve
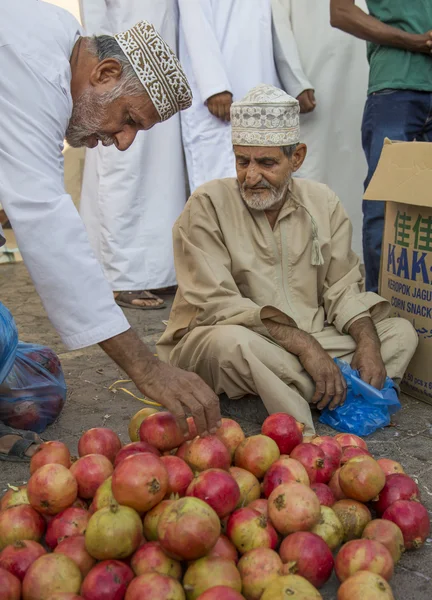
[203, 267]
[208, 66]
[343, 297]
[34, 113]
[287, 59]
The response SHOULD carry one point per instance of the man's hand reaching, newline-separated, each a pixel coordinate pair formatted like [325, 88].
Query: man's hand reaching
[219, 105]
[181, 392]
[307, 101]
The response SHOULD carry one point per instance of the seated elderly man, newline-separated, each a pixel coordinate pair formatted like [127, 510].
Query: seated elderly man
[270, 291]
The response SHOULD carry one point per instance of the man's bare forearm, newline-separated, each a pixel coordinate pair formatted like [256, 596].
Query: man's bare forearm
[292, 339]
[348, 17]
[131, 354]
[363, 332]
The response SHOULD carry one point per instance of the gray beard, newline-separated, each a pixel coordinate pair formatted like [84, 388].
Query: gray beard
[88, 114]
[272, 198]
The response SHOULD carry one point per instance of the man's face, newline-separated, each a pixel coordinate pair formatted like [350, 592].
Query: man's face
[264, 174]
[95, 117]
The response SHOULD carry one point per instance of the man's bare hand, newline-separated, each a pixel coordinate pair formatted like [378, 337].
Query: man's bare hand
[307, 101]
[330, 384]
[182, 392]
[367, 360]
[219, 105]
[423, 42]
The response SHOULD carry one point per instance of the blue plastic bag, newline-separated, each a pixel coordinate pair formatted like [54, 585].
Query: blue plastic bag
[32, 384]
[366, 409]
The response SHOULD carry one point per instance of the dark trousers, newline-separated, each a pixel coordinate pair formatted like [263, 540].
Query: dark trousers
[399, 115]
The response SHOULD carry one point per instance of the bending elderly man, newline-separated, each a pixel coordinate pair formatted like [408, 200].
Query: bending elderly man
[56, 83]
[269, 288]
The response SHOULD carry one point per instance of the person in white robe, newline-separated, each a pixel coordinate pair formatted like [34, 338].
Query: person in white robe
[128, 203]
[226, 47]
[337, 65]
[56, 84]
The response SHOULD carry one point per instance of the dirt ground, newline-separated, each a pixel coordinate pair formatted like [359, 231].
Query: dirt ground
[90, 403]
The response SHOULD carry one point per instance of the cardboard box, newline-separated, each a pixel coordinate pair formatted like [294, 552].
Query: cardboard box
[403, 179]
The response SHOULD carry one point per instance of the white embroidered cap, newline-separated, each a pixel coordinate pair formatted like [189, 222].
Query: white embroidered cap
[266, 116]
[157, 67]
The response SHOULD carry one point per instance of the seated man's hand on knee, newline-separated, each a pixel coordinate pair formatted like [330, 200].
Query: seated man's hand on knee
[367, 359]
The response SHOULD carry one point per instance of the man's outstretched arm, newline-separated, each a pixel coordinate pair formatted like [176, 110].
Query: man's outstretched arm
[345, 15]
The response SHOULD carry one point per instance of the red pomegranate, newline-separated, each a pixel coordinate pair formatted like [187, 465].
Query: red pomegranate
[289, 586]
[134, 448]
[18, 557]
[256, 454]
[283, 429]
[10, 586]
[249, 486]
[188, 529]
[248, 529]
[72, 521]
[363, 555]
[50, 453]
[308, 555]
[331, 448]
[354, 517]
[349, 439]
[108, 580]
[180, 475]
[293, 507]
[219, 592]
[49, 574]
[329, 528]
[135, 422]
[365, 585]
[260, 505]
[334, 485]
[257, 569]
[151, 557]
[90, 471]
[218, 488]
[162, 431]
[103, 497]
[14, 497]
[284, 470]
[362, 478]
[207, 572]
[390, 466]
[324, 493]
[224, 549]
[75, 548]
[51, 489]
[388, 534]
[65, 596]
[113, 532]
[99, 440]
[182, 449]
[397, 487]
[413, 520]
[20, 523]
[349, 452]
[231, 434]
[207, 453]
[154, 586]
[140, 482]
[318, 468]
[151, 520]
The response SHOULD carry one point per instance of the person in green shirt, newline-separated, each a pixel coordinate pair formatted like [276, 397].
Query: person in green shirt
[399, 103]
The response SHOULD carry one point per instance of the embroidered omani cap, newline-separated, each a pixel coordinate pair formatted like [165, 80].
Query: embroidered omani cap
[157, 67]
[266, 116]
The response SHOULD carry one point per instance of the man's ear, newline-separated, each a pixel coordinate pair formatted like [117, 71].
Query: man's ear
[299, 156]
[105, 72]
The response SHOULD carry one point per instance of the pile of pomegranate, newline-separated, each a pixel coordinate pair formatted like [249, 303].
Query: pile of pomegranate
[225, 517]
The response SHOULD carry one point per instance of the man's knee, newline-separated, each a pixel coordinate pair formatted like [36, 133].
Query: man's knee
[225, 339]
[405, 333]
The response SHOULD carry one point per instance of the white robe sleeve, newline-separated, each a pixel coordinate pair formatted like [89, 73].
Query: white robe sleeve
[206, 58]
[94, 17]
[287, 60]
[34, 113]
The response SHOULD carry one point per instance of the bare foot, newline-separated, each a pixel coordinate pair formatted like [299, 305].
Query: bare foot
[7, 441]
[138, 299]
